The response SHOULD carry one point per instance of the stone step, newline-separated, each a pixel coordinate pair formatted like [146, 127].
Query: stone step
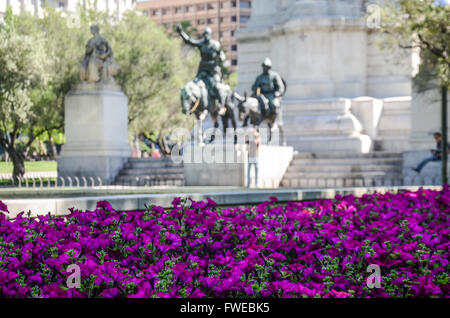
[346, 162]
[150, 172]
[150, 180]
[344, 168]
[150, 159]
[334, 183]
[341, 175]
[344, 155]
[151, 177]
[151, 165]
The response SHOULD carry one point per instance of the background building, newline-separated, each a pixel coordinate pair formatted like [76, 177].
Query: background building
[224, 17]
[35, 6]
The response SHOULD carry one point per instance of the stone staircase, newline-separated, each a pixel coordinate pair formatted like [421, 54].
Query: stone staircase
[151, 172]
[321, 170]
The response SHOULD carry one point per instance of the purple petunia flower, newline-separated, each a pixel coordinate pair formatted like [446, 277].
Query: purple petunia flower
[3, 207]
[105, 205]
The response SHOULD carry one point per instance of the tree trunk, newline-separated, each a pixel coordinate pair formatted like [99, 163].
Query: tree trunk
[53, 148]
[444, 146]
[165, 150]
[17, 159]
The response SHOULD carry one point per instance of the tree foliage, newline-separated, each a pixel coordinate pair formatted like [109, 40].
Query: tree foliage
[23, 76]
[421, 24]
[152, 69]
[39, 61]
[424, 25]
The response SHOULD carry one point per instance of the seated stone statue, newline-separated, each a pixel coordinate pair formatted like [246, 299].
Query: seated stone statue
[98, 64]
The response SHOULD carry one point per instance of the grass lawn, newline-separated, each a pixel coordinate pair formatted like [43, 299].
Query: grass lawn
[30, 166]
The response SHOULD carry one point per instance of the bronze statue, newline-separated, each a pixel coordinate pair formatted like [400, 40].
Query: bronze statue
[208, 93]
[265, 102]
[270, 85]
[98, 64]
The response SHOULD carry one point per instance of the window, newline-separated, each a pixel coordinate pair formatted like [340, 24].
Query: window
[233, 4]
[201, 7]
[211, 21]
[189, 8]
[233, 18]
[156, 12]
[178, 10]
[234, 47]
[232, 33]
[245, 4]
[201, 21]
[212, 6]
[234, 62]
[244, 18]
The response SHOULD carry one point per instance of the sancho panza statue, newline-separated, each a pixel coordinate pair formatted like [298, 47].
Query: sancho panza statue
[212, 57]
[271, 85]
[98, 64]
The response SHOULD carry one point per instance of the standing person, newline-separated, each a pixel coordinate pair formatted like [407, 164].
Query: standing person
[253, 152]
[436, 153]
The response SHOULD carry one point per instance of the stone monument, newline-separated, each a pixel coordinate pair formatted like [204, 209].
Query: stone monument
[327, 54]
[96, 118]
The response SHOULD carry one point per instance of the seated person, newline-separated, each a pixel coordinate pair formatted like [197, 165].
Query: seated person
[436, 153]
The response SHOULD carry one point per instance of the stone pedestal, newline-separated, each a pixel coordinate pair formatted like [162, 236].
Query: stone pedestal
[386, 121]
[395, 124]
[96, 127]
[227, 165]
[324, 125]
[426, 119]
[324, 50]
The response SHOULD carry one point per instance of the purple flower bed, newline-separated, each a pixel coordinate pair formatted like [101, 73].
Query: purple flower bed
[195, 249]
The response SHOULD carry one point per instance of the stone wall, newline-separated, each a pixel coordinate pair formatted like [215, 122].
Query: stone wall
[227, 165]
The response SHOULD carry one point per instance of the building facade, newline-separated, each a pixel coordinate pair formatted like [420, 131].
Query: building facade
[35, 7]
[224, 17]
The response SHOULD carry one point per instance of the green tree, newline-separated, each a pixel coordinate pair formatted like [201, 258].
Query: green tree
[64, 50]
[152, 69]
[23, 74]
[423, 24]
[39, 59]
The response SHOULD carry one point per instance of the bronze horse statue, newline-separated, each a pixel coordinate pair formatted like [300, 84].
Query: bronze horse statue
[256, 110]
[195, 100]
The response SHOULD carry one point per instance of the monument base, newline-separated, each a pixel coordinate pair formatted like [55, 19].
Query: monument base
[227, 165]
[324, 125]
[106, 168]
[96, 127]
[316, 144]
